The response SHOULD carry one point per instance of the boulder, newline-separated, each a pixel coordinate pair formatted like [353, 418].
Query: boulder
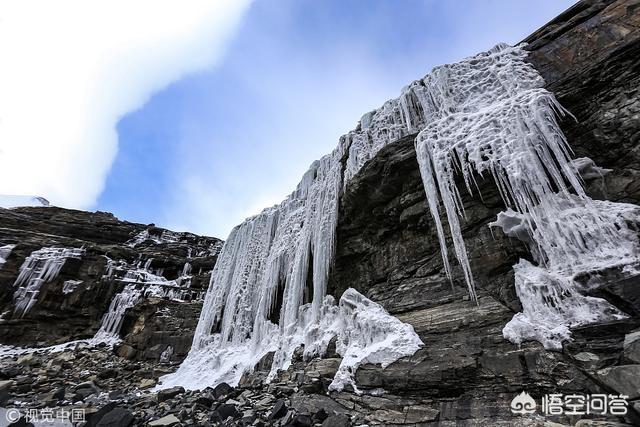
[166, 421]
[623, 379]
[340, 420]
[169, 393]
[117, 417]
[279, 410]
[221, 390]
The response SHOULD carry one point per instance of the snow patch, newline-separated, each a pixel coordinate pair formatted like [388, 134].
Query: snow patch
[10, 201]
[5, 251]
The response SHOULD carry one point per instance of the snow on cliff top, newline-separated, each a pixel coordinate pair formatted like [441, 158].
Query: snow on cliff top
[10, 201]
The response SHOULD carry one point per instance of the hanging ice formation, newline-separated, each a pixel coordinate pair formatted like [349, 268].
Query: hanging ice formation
[112, 319]
[38, 268]
[486, 115]
[152, 280]
[491, 115]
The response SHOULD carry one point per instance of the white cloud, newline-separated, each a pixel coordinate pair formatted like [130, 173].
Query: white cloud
[69, 69]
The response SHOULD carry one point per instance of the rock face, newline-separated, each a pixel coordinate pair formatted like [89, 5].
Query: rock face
[159, 328]
[388, 250]
[110, 254]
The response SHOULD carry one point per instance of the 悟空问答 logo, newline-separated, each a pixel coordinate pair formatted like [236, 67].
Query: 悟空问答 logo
[523, 404]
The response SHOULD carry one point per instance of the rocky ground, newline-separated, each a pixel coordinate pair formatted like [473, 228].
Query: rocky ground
[114, 391]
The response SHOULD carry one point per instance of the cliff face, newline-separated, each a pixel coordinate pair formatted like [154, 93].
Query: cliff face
[387, 247]
[68, 265]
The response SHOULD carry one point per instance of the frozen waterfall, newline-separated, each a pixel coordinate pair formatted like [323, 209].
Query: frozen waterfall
[488, 115]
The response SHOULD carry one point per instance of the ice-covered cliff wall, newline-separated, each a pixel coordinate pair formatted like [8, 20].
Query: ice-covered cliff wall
[486, 114]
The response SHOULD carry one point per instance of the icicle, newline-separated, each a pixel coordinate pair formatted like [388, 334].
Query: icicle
[112, 319]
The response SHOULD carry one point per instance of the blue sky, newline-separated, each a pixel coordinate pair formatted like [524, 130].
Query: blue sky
[221, 144]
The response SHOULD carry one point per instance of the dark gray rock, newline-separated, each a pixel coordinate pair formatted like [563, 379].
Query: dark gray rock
[94, 418]
[223, 412]
[631, 347]
[279, 410]
[169, 393]
[166, 421]
[623, 379]
[222, 390]
[337, 421]
[117, 417]
[320, 416]
[301, 420]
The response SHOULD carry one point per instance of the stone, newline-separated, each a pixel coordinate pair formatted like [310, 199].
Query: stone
[117, 417]
[205, 401]
[27, 360]
[631, 348]
[115, 394]
[94, 417]
[623, 379]
[222, 390]
[58, 394]
[108, 373]
[223, 412]
[301, 420]
[5, 387]
[248, 417]
[88, 385]
[586, 357]
[147, 383]
[83, 393]
[22, 422]
[320, 416]
[340, 420]
[279, 410]
[169, 393]
[166, 421]
[127, 351]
